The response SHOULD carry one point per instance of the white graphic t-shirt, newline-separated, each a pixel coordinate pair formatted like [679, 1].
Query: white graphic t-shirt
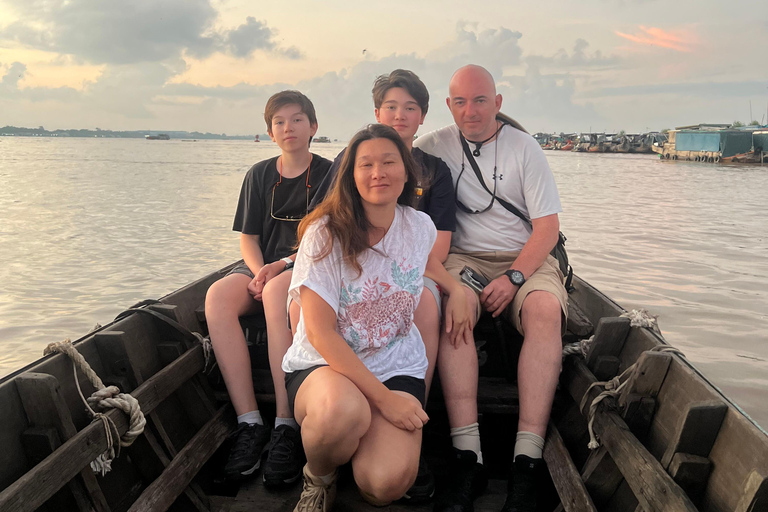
[374, 311]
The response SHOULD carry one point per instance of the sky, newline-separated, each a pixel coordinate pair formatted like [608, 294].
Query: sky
[210, 65]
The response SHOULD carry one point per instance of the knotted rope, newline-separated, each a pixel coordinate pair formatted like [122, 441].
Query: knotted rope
[613, 388]
[103, 398]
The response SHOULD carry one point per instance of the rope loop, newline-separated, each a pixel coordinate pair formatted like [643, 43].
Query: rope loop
[613, 388]
[105, 397]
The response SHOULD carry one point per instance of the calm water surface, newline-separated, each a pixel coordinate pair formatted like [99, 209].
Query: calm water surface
[90, 226]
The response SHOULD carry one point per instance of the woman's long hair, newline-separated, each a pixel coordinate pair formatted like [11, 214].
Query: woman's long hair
[347, 223]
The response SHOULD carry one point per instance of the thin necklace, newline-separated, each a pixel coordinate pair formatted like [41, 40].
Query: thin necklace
[461, 205]
[479, 145]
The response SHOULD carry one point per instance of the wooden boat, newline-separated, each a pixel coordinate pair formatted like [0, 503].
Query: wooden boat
[669, 440]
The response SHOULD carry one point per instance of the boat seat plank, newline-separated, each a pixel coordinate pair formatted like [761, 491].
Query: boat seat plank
[570, 487]
[653, 487]
[161, 493]
[698, 430]
[253, 496]
[45, 407]
[601, 476]
[76, 453]
[602, 355]
[691, 473]
[755, 495]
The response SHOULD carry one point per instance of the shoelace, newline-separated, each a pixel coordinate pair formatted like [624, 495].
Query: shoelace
[315, 500]
[282, 446]
[243, 442]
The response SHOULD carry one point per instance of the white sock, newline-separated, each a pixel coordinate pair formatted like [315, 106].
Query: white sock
[530, 444]
[467, 438]
[287, 421]
[251, 418]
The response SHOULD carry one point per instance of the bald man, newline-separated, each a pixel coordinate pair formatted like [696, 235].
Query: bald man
[525, 283]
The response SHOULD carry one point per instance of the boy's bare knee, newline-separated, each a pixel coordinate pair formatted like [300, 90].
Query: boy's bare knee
[381, 486]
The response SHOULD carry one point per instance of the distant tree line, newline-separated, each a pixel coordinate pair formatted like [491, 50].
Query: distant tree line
[134, 134]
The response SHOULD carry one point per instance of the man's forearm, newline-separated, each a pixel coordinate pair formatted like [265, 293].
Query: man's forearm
[539, 245]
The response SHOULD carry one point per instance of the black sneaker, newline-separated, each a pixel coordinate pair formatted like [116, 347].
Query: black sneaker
[466, 481]
[245, 456]
[423, 488]
[285, 457]
[523, 487]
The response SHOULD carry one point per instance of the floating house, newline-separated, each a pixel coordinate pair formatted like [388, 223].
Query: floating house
[709, 143]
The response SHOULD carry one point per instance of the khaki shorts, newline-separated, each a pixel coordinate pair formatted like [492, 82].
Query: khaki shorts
[493, 264]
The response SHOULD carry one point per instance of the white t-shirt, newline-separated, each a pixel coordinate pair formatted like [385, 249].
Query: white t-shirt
[523, 179]
[374, 311]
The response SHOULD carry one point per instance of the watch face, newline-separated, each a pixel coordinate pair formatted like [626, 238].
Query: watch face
[516, 277]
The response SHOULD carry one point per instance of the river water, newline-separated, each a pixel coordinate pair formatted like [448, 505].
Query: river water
[90, 226]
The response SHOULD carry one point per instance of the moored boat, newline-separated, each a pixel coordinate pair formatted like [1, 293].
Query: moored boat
[667, 439]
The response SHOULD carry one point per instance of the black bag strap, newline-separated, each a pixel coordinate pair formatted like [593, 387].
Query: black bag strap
[510, 207]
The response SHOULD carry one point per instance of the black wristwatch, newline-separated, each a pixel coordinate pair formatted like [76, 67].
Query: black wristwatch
[515, 277]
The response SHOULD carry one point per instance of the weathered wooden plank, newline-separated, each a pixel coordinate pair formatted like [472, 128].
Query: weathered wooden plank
[691, 473]
[161, 493]
[654, 488]
[45, 407]
[573, 494]
[39, 484]
[610, 335]
[601, 476]
[647, 380]
[697, 432]
[40, 442]
[578, 323]
[755, 494]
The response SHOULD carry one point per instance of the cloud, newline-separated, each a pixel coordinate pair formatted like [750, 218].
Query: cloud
[131, 96]
[657, 37]
[12, 77]
[135, 31]
[254, 35]
[702, 89]
[578, 58]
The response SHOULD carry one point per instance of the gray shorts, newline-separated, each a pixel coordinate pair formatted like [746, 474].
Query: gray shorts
[432, 287]
[241, 268]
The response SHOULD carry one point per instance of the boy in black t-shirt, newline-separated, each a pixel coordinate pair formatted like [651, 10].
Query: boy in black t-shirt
[275, 196]
[401, 100]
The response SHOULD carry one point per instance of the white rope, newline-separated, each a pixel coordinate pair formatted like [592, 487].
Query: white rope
[579, 348]
[643, 318]
[103, 398]
[613, 388]
[205, 341]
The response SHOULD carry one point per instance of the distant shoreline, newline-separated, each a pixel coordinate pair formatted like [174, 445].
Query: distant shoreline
[14, 131]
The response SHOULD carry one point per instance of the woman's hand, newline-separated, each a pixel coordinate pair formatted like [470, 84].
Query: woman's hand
[402, 412]
[266, 272]
[457, 317]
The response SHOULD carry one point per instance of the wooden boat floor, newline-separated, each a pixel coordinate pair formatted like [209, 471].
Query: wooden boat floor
[254, 496]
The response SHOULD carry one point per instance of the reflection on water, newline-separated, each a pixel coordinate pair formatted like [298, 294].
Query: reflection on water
[91, 226]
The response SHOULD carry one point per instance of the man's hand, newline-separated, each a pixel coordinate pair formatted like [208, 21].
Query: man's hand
[498, 295]
[267, 272]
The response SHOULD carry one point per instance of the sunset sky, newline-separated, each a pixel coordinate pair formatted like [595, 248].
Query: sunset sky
[210, 65]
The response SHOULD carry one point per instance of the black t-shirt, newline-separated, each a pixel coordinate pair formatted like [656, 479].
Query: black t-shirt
[258, 214]
[437, 195]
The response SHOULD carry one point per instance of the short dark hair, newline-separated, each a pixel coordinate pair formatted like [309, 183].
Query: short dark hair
[283, 98]
[405, 79]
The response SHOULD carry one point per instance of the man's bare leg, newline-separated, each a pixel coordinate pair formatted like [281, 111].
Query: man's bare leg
[538, 369]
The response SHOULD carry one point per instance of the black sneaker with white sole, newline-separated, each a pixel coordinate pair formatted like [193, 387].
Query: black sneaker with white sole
[245, 455]
[285, 458]
[423, 489]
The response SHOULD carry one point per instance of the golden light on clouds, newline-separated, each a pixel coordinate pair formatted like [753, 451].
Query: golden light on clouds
[678, 40]
[46, 69]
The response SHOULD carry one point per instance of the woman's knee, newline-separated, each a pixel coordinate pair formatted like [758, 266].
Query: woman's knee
[331, 417]
[381, 485]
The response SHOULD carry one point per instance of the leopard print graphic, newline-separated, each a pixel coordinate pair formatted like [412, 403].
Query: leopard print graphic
[380, 317]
